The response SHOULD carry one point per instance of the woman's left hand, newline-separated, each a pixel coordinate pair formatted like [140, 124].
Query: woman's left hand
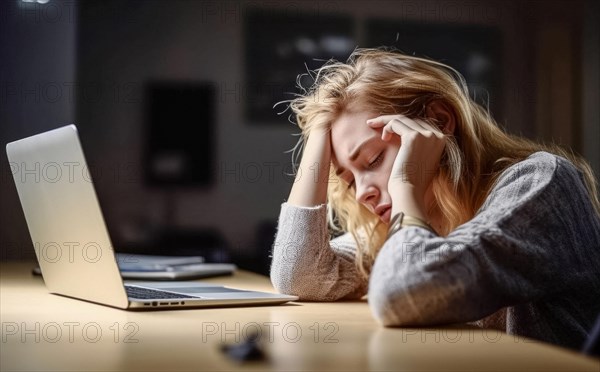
[418, 159]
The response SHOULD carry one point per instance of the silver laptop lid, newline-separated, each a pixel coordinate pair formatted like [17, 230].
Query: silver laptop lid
[64, 218]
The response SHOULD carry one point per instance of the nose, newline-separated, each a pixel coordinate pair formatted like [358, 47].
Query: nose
[367, 193]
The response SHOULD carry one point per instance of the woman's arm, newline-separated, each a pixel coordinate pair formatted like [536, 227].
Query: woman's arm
[535, 237]
[310, 186]
[305, 263]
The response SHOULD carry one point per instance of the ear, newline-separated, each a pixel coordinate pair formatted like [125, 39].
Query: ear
[443, 115]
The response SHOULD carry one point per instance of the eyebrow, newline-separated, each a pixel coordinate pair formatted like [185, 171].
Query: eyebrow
[355, 153]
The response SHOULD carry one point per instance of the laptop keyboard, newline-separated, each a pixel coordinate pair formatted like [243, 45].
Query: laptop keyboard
[150, 294]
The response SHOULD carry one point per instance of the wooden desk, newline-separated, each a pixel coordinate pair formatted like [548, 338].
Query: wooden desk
[41, 331]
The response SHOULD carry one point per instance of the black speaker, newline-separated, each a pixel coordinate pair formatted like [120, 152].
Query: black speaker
[180, 121]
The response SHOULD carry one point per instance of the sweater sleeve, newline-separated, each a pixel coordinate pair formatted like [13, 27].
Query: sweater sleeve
[307, 264]
[535, 236]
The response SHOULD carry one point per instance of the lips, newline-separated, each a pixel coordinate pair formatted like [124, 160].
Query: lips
[384, 211]
[385, 217]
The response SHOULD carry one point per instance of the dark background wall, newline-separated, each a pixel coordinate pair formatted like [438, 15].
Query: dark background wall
[37, 72]
[88, 63]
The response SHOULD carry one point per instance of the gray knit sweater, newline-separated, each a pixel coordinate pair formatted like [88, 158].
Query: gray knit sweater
[527, 263]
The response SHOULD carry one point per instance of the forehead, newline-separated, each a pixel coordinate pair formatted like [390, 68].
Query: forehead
[347, 131]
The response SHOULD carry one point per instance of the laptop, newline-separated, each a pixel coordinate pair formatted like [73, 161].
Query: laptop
[72, 244]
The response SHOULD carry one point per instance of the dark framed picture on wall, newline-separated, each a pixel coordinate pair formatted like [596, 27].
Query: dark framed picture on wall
[473, 50]
[279, 46]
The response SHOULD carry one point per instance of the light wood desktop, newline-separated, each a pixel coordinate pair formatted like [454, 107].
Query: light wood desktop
[41, 331]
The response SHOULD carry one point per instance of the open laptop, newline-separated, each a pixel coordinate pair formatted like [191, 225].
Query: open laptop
[71, 241]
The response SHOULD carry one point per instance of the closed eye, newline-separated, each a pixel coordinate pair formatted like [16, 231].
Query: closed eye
[377, 161]
[373, 164]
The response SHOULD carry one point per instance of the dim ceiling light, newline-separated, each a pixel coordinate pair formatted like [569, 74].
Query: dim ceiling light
[36, 1]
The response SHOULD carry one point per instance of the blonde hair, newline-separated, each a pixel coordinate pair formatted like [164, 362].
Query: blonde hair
[387, 81]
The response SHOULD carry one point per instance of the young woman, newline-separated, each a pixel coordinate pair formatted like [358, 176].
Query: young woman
[445, 217]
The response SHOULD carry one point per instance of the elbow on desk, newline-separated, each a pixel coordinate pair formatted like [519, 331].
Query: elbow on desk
[285, 282]
[392, 308]
[289, 286]
[282, 274]
[427, 303]
[288, 274]
[281, 283]
[300, 283]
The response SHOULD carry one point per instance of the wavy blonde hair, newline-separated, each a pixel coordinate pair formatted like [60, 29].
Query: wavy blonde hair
[387, 81]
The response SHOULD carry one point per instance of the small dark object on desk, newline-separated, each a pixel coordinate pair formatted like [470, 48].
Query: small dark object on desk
[249, 350]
